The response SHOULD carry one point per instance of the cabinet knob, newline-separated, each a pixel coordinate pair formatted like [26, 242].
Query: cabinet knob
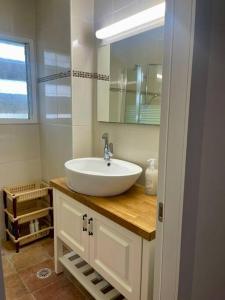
[90, 226]
[85, 222]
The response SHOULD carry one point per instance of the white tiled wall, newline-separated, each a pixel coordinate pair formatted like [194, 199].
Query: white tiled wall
[19, 144]
[56, 149]
[19, 154]
[53, 34]
[82, 42]
[66, 125]
[17, 18]
[53, 37]
[135, 143]
[55, 101]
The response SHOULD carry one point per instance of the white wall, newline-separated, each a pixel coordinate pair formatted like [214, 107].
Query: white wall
[65, 29]
[82, 51]
[135, 143]
[19, 144]
[53, 57]
[202, 272]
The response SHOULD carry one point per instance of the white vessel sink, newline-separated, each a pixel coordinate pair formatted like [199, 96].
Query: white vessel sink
[96, 177]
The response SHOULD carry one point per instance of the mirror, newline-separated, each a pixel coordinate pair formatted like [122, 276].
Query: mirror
[131, 79]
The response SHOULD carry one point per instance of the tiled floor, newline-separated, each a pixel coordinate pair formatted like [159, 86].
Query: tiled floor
[21, 282]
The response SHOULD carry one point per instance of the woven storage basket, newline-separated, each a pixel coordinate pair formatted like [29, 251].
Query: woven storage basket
[23, 204]
[27, 192]
[25, 236]
[26, 211]
[30, 238]
[34, 237]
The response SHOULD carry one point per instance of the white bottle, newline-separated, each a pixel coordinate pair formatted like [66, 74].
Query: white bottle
[151, 177]
[32, 227]
[36, 225]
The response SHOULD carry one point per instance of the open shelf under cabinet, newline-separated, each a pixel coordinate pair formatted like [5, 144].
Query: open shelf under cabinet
[95, 284]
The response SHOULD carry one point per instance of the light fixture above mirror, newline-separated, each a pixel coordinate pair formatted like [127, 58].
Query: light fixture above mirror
[145, 20]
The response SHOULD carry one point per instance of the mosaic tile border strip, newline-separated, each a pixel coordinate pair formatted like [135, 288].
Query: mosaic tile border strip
[90, 75]
[78, 74]
[55, 76]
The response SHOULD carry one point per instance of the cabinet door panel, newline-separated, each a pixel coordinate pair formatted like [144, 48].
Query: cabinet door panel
[116, 254]
[69, 220]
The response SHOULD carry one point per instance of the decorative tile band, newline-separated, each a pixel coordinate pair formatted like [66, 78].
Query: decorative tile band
[103, 77]
[81, 74]
[55, 76]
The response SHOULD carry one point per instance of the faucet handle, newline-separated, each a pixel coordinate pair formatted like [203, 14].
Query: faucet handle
[111, 148]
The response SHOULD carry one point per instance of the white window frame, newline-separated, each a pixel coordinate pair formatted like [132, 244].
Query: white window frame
[33, 100]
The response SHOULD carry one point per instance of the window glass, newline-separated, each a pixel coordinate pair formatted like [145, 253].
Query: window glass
[15, 82]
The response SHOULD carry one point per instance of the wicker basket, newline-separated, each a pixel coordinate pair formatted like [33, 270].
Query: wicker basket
[26, 236]
[25, 203]
[31, 237]
[27, 211]
[27, 192]
[36, 236]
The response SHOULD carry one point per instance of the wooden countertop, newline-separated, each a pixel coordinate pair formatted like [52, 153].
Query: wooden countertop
[133, 210]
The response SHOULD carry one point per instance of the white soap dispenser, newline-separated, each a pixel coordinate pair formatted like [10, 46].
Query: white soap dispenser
[151, 177]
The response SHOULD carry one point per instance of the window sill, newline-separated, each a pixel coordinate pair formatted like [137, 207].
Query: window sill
[18, 122]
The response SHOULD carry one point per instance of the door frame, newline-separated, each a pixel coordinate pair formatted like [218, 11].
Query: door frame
[177, 72]
[2, 288]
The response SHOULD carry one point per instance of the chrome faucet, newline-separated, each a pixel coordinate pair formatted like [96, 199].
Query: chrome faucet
[108, 148]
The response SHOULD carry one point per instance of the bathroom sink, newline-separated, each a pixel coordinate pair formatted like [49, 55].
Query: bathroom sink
[97, 177]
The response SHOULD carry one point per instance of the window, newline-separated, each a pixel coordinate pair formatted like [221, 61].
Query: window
[16, 90]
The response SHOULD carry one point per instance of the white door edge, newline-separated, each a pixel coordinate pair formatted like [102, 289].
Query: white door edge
[178, 55]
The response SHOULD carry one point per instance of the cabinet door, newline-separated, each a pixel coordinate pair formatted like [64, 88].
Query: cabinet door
[69, 224]
[116, 254]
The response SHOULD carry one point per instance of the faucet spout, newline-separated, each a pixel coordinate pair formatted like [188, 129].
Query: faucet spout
[108, 148]
[105, 137]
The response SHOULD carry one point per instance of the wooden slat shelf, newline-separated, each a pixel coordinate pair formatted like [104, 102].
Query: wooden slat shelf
[87, 276]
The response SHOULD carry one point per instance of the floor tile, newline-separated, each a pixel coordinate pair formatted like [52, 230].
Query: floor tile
[20, 271]
[14, 288]
[26, 297]
[8, 248]
[61, 289]
[77, 284]
[8, 267]
[48, 245]
[29, 257]
[30, 280]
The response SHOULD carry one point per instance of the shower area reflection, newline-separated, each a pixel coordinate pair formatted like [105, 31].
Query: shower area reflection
[135, 94]
[132, 95]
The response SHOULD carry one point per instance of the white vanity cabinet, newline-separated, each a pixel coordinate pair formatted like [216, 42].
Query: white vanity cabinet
[114, 252]
[70, 219]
